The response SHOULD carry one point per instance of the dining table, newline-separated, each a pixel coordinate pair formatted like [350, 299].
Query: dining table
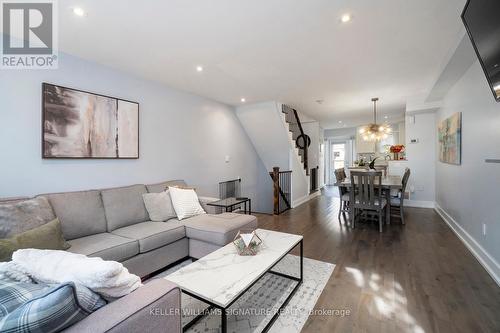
[388, 183]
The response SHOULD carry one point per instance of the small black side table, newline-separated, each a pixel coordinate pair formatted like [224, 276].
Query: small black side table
[229, 203]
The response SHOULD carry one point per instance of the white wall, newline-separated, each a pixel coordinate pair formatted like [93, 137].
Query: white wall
[181, 136]
[313, 130]
[265, 129]
[421, 158]
[300, 183]
[469, 194]
[340, 133]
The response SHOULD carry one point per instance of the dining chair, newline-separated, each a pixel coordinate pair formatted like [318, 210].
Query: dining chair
[397, 203]
[343, 192]
[365, 196]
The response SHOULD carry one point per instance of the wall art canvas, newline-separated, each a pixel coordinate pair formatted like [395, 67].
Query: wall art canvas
[450, 139]
[79, 124]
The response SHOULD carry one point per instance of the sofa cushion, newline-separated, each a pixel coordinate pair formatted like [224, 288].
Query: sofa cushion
[45, 308]
[152, 235]
[81, 213]
[17, 217]
[160, 187]
[124, 206]
[106, 246]
[186, 203]
[14, 293]
[159, 206]
[45, 237]
[218, 229]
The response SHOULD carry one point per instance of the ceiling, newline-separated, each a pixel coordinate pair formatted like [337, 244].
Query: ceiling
[293, 51]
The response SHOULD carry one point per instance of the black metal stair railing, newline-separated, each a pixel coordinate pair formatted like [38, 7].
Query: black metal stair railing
[302, 140]
[282, 184]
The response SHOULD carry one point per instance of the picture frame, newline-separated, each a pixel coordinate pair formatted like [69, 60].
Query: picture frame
[450, 139]
[78, 124]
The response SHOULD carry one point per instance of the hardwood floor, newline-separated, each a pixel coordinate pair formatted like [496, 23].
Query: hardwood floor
[413, 278]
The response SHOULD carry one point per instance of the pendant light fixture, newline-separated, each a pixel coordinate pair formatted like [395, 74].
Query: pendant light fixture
[374, 132]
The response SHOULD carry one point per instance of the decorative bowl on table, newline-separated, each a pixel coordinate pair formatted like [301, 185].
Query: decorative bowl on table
[247, 242]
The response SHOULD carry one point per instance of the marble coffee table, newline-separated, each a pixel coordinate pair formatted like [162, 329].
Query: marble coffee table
[221, 277]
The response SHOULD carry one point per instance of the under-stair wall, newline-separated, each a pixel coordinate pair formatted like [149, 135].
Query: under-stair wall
[267, 129]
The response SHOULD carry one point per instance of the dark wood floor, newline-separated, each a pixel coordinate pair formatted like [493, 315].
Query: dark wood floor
[413, 278]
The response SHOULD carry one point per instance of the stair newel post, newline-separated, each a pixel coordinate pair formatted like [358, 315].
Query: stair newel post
[276, 183]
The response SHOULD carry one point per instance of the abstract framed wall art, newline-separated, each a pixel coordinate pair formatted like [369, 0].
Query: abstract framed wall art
[450, 139]
[80, 124]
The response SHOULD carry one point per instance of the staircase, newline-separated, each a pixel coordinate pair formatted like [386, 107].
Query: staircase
[278, 136]
[301, 140]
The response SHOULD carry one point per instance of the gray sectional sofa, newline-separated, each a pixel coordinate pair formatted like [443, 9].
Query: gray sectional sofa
[114, 224]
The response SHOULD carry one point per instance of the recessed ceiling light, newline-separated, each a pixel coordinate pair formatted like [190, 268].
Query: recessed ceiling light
[199, 68]
[340, 121]
[78, 11]
[345, 18]
[385, 117]
[243, 100]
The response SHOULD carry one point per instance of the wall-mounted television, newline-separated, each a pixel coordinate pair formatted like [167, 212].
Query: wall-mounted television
[482, 21]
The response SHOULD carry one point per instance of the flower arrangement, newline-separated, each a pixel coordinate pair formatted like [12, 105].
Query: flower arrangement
[396, 149]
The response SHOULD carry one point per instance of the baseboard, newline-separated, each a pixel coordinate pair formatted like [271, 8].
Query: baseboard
[419, 204]
[304, 199]
[485, 259]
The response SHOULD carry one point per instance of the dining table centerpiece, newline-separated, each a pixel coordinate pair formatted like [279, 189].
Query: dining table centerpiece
[247, 242]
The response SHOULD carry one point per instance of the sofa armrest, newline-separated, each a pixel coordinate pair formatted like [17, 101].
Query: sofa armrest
[153, 308]
[207, 208]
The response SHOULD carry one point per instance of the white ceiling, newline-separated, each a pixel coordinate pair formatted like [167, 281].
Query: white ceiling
[294, 51]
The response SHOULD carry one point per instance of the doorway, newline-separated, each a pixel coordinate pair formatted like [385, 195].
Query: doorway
[338, 155]
[338, 158]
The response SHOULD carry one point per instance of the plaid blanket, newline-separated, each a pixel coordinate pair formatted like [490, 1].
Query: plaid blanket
[41, 308]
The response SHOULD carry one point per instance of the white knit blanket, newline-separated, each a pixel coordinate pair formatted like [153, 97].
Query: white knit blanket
[107, 278]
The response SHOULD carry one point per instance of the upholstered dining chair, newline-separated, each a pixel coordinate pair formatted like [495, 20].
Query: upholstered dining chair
[365, 196]
[343, 192]
[397, 202]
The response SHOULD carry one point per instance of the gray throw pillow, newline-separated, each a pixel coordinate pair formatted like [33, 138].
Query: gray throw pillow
[159, 206]
[25, 215]
[46, 237]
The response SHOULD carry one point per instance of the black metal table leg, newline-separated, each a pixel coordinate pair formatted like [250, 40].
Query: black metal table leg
[223, 321]
[249, 206]
[301, 260]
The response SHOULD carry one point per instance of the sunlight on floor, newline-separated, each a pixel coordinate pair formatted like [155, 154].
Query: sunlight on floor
[389, 304]
[357, 275]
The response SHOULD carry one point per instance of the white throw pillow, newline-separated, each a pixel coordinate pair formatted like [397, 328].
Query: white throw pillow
[159, 206]
[185, 202]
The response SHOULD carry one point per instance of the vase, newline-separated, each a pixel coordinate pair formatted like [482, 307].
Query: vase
[396, 156]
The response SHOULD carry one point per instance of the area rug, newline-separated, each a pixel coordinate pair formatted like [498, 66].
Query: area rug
[255, 308]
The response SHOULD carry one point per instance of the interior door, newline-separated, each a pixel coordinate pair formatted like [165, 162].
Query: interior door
[337, 158]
